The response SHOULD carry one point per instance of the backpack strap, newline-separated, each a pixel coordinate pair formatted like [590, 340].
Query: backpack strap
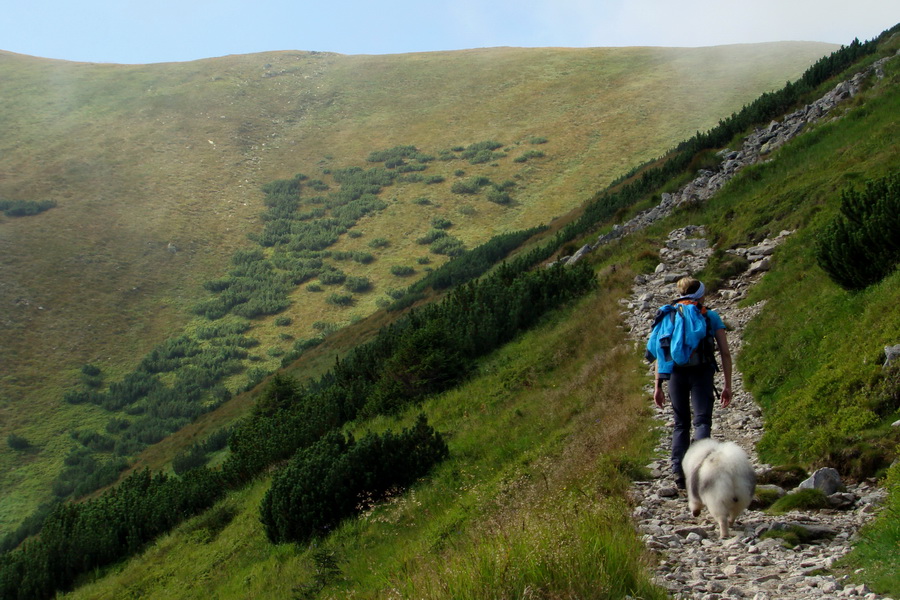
[694, 302]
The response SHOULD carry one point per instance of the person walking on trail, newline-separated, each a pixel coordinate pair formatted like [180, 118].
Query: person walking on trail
[691, 380]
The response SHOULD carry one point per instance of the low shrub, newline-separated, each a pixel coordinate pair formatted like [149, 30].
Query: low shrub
[90, 370]
[499, 197]
[402, 270]
[861, 245]
[93, 440]
[464, 187]
[432, 235]
[525, 157]
[17, 442]
[393, 154]
[336, 478]
[448, 246]
[117, 425]
[25, 208]
[340, 299]
[358, 284]
[482, 152]
[332, 277]
[192, 458]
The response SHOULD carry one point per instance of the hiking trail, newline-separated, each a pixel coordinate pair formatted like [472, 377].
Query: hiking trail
[694, 562]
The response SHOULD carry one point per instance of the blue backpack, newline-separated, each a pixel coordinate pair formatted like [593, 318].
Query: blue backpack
[681, 336]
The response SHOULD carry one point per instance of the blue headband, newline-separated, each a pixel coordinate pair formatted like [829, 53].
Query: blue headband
[701, 291]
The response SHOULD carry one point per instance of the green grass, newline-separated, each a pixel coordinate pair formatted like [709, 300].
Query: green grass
[541, 440]
[817, 378]
[876, 553]
[806, 499]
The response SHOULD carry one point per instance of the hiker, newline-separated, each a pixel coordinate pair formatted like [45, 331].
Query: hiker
[691, 385]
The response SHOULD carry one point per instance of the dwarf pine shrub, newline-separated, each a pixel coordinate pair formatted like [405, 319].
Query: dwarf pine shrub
[861, 245]
[358, 284]
[402, 270]
[24, 208]
[340, 299]
[336, 478]
[17, 442]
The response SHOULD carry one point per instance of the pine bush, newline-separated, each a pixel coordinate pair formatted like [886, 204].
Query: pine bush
[861, 245]
[336, 478]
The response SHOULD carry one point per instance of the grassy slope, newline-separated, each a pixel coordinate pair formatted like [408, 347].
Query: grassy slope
[540, 441]
[566, 400]
[140, 156]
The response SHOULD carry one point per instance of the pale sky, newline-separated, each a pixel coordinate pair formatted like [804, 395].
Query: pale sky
[149, 31]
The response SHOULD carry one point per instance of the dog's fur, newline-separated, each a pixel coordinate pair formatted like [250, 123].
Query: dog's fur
[719, 476]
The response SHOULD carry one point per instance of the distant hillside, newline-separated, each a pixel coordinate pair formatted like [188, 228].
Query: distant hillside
[156, 174]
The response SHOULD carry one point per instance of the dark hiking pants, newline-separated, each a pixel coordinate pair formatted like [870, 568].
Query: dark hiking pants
[691, 392]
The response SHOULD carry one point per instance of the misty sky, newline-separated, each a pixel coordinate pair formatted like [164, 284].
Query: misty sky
[145, 31]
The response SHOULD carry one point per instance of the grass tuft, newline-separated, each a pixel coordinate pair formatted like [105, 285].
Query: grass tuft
[805, 499]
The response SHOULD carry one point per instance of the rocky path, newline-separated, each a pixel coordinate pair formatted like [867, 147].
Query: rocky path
[694, 562]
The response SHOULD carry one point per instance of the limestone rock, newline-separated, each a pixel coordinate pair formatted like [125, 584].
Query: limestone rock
[760, 266]
[827, 479]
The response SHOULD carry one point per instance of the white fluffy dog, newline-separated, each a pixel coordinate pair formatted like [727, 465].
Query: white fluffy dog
[720, 477]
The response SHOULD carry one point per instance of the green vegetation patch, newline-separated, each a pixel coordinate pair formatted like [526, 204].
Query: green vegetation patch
[336, 478]
[805, 499]
[876, 550]
[793, 535]
[25, 208]
[861, 245]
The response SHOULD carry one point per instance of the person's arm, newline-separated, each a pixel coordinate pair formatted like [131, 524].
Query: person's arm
[725, 353]
[659, 396]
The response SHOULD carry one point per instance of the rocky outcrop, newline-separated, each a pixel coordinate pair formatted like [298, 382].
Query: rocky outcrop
[756, 147]
[756, 562]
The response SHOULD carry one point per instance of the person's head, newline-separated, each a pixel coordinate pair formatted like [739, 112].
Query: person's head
[688, 286]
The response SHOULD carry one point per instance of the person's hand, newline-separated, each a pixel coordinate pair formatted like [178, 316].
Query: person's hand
[659, 396]
[726, 396]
